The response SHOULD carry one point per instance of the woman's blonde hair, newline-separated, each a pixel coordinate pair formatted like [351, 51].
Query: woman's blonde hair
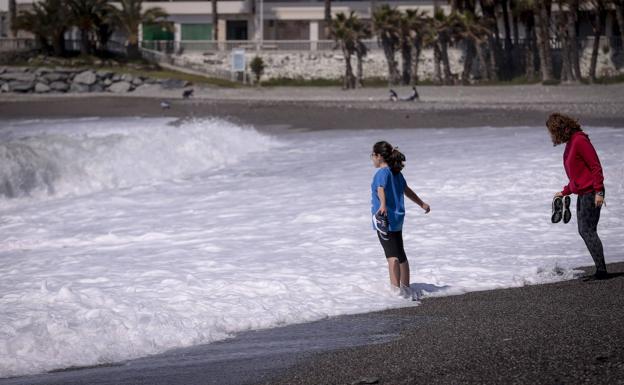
[561, 127]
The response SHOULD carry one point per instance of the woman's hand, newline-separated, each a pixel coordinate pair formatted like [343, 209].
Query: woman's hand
[558, 194]
[599, 200]
[383, 210]
[426, 207]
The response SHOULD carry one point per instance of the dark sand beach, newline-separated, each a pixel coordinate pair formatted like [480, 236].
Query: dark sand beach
[563, 333]
[330, 108]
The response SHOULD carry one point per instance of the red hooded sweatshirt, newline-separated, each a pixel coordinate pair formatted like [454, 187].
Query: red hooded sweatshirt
[582, 166]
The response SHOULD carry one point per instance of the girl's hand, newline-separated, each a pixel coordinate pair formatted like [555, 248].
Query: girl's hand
[599, 200]
[426, 207]
[558, 194]
[383, 210]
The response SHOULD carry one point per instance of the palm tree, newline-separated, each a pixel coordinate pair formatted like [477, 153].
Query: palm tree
[130, 17]
[416, 26]
[47, 22]
[386, 22]
[327, 19]
[525, 13]
[362, 31]
[86, 14]
[441, 31]
[565, 32]
[475, 30]
[348, 32]
[599, 8]
[542, 14]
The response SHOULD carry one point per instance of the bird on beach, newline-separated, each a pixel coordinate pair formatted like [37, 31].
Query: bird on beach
[393, 96]
[165, 105]
[187, 93]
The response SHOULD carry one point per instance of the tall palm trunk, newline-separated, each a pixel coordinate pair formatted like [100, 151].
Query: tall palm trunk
[406, 55]
[619, 15]
[483, 66]
[215, 21]
[468, 60]
[359, 77]
[393, 71]
[437, 70]
[58, 44]
[444, 58]
[542, 22]
[84, 42]
[349, 79]
[597, 26]
[509, 66]
[132, 49]
[12, 17]
[327, 18]
[529, 50]
[574, 46]
[416, 51]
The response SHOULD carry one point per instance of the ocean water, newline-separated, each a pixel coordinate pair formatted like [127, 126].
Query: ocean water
[121, 238]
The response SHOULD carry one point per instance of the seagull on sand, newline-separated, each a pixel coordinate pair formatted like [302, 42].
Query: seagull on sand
[165, 105]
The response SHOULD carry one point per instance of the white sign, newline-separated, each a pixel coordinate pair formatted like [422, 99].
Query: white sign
[238, 60]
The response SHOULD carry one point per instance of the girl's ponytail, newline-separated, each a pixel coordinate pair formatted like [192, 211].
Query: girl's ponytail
[391, 155]
[396, 160]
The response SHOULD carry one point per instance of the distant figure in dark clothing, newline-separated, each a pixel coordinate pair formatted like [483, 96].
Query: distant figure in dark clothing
[584, 170]
[187, 93]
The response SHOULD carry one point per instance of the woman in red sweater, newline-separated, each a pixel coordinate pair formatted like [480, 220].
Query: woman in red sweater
[583, 168]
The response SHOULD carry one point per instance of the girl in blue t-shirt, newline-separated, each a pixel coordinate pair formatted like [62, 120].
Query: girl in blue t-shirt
[388, 209]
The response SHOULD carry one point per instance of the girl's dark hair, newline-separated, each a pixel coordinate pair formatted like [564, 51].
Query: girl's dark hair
[561, 127]
[391, 155]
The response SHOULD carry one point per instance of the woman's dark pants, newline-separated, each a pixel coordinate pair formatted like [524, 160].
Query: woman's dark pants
[588, 215]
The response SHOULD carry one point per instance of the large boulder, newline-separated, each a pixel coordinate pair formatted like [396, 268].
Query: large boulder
[104, 74]
[59, 86]
[127, 78]
[54, 76]
[77, 87]
[97, 87]
[87, 78]
[41, 88]
[120, 87]
[22, 77]
[19, 86]
[170, 84]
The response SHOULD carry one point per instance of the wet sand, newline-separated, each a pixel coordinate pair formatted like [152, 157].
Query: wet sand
[330, 108]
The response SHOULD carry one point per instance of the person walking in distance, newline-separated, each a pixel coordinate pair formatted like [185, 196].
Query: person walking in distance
[586, 179]
[388, 209]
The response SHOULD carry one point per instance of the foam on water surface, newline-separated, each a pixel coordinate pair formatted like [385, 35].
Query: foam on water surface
[149, 235]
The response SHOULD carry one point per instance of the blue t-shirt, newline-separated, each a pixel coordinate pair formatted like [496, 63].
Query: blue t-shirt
[394, 187]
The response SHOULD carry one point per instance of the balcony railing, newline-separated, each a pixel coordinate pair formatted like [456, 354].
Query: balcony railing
[186, 46]
[17, 44]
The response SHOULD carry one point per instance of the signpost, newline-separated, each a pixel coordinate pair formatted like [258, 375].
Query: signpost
[238, 63]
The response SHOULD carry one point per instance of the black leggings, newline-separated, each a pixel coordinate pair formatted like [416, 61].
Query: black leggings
[588, 216]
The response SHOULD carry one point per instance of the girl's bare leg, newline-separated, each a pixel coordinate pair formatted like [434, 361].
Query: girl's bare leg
[394, 268]
[405, 273]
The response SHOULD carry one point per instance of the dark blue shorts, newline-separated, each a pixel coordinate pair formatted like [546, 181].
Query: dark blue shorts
[393, 246]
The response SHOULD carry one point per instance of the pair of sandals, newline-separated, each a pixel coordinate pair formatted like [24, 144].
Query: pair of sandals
[561, 209]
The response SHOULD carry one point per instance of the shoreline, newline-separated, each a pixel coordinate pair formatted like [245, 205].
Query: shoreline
[555, 333]
[331, 108]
